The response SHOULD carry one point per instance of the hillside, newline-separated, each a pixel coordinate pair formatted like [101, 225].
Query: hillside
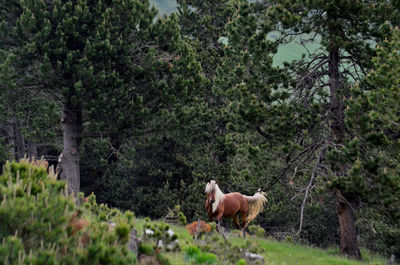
[280, 113]
[274, 252]
[165, 6]
[49, 225]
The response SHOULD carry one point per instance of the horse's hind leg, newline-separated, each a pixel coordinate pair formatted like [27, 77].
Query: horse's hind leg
[243, 216]
[236, 221]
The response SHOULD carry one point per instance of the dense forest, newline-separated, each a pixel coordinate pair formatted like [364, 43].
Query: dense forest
[143, 109]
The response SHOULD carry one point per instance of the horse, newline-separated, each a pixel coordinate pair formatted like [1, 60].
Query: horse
[233, 204]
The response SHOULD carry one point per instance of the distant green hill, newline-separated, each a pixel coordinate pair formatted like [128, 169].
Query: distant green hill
[164, 6]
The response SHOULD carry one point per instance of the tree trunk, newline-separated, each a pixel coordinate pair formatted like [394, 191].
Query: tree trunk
[32, 150]
[336, 104]
[11, 138]
[348, 232]
[19, 136]
[70, 155]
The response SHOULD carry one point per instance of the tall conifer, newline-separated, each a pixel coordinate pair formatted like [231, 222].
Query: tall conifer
[99, 59]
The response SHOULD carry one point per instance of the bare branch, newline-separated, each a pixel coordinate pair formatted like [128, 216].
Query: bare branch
[308, 189]
[312, 73]
[264, 134]
[310, 150]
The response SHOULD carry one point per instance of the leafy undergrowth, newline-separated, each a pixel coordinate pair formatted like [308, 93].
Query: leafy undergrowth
[274, 252]
[41, 224]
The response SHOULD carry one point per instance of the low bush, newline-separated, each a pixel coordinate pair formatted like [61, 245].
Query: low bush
[194, 255]
[257, 230]
[42, 224]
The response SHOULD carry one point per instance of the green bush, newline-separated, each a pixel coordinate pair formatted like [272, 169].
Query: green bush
[257, 230]
[241, 262]
[161, 233]
[384, 239]
[224, 250]
[146, 249]
[41, 224]
[194, 255]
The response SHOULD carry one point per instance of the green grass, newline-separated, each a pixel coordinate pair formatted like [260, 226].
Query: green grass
[274, 252]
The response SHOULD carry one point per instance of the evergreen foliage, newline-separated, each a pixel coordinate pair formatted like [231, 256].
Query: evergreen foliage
[100, 60]
[41, 224]
[271, 130]
[153, 107]
[305, 116]
[196, 256]
[373, 117]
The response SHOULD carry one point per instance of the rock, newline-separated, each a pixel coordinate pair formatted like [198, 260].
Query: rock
[149, 232]
[133, 242]
[253, 257]
[392, 260]
[160, 244]
[172, 245]
[170, 232]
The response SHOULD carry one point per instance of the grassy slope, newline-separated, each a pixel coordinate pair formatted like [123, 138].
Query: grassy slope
[274, 252]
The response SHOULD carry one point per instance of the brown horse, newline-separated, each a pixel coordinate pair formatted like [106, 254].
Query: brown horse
[220, 205]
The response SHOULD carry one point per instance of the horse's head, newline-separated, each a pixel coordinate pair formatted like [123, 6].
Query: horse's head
[210, 192]
[214, 195]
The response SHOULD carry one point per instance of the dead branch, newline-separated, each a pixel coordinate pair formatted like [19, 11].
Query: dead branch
[308, 188]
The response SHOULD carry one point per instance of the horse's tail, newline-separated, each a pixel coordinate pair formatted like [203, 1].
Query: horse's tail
[256, 205]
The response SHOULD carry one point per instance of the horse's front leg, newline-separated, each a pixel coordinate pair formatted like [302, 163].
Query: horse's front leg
[210, 216]
[218, 219]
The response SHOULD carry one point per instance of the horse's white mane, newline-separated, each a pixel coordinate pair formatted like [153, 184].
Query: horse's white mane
[219, 195]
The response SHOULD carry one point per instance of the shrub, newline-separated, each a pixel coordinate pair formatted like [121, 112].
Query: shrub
[195, 256]
[257, 230]
[42, 224]
[161, 232]
[224, 250]
[194, 228]
[241, 262]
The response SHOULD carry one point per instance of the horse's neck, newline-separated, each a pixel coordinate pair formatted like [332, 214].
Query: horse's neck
[219, 198]
[219, 193]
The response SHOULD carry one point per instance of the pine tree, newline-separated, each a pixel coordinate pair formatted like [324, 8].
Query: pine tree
[345, 31]
[29, 116]
[203, 25]
[301, 112]
[102, 61]
[373, 116]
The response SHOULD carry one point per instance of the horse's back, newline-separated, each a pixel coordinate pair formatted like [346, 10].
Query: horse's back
[236, 196]
[233, 203]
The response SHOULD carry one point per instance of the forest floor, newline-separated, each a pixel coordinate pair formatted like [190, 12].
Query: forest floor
[273, 251]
